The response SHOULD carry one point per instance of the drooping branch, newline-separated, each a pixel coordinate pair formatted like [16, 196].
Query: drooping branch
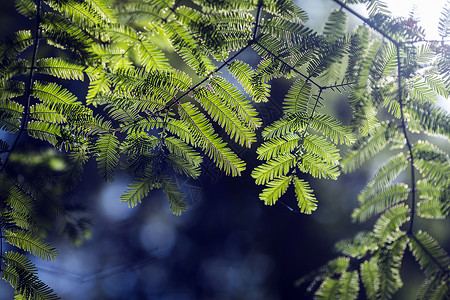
[408, 143]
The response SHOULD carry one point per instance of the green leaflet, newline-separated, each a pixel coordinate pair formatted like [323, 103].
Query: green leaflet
[387, 227]
[21, 274]
[210, 142]
[275, 189]
[31, 243]
[430, 255]
[225, 117]
[370, 278]
[107, 147]
[176, 198]
[305, 197]
[273, 168]
[139, 189]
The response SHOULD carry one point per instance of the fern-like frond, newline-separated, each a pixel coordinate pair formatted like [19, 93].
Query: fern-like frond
[332, 129]
[15, 44]
[138, 143]
[53, 94]
[176, 198]
[432, 162]
[278, 146]
[78, 12]
[275, 189]
[225, 117]
[236, 100]
[421, 91]
[21, 274]
[11, 89]
[289, 123]
[11, 115]
[43, 113]
[26, 7]
[44, 131]
[286, 31]
[444, 22]
[31, 243]
[428, 118]
[387, 227]
[328, 290]
[336, 25]
[139, 189]
[180, 148]
[370, 277]
[182, 166]
[387, 173]
[107, 147]
[306, 200]
[273, 168]
[318, 168]
[349, 285]
[368, 146]
[298, 96]
[430, 255]
[61, 68]
[378, 200]
[247, 78]
[389, 262]
[321, 147]
[431, 209]
[209, 141]
[19, 200]
[377, 7]
[359, 246]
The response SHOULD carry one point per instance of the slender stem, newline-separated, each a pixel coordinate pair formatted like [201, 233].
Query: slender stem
[29, 86]
[289, 66]
[408, 143]
[257, 19]
[367, 21]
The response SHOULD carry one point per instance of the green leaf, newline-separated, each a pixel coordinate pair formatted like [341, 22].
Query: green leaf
[315, 166]
[429, 254]
[209, 141]
[273, 168]
[305, 198]
[33, 244]
[107, 147]
[176, 198]
[371, 278]
[21, 274]
[377, 200]
[387, 227]
[349, 285]
[225, 117]
[26, 8]
[298, 97]
[278, 146]
[332, 129]
[139, 189]
[275, 189]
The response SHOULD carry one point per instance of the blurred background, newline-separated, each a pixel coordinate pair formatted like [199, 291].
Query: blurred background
[228, 245]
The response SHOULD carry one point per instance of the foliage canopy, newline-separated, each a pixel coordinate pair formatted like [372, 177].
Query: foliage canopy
[143, 115]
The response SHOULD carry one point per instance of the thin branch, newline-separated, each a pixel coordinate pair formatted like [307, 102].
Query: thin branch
[408, 143]
[289, 66]
[257, 19]
[367, 21]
